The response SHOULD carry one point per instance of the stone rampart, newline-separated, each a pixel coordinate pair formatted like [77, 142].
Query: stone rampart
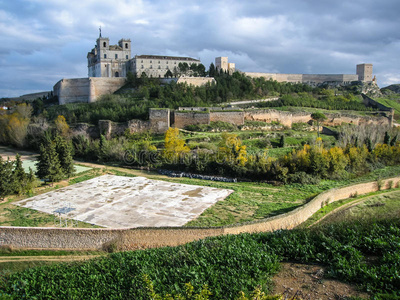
[184, 118]
[196, 81]
[85, 89]
[306, 78]
[160, 119]
[139, 238]
[234, 117]
[294, 78]
[269, 115]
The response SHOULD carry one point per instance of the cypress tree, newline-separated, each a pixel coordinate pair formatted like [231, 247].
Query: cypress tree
[386, 139]
[20, 178]
[282, 141]
[6, 178]
[48, 164]
[64, 151]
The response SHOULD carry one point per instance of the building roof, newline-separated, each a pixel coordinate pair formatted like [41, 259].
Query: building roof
[167, 57]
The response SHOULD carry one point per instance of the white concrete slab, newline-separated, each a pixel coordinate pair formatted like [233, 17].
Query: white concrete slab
[127, 202]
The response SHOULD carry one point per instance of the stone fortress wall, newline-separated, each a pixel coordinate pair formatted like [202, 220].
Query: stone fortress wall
[88, 90]
[140, 238]
[307, 78]
[363, 73]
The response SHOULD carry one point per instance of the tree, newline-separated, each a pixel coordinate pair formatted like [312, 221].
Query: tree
[48, 163]
[174, 146]
[64, 150]
[62, 127]
[282, 141]
[319, 117]
[231, 149]
[7, 178]
[168, 74]
[17, 129]
[20, 177]
[386, 139]
[211, 70]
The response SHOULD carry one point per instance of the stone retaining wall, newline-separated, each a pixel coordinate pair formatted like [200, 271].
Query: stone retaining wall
[138, 238]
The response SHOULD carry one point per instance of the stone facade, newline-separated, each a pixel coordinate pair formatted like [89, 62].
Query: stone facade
[106, 60]
[157, 65]
[364, 72]
[221, 63]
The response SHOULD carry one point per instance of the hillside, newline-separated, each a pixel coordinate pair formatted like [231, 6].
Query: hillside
[362, 253]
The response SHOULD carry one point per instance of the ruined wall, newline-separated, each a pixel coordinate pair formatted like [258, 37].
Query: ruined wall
[85, 89]
[269, 115]
[139, 238]
[234, 117]
[184, 118]
[159, 119]
[301, 117]
[288, 118]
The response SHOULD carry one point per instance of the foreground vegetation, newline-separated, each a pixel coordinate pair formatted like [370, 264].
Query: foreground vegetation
[362, 253]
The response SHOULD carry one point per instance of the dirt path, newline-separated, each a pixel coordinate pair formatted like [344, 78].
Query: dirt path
[46, 258]
[309, 283]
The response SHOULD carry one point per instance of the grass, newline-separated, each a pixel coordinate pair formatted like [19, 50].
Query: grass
[252, 201]
[342, 203]
[384, 205]
[390, 103]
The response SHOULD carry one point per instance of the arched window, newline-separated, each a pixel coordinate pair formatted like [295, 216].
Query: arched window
[116, 74]
[126, 45]
[104, 44]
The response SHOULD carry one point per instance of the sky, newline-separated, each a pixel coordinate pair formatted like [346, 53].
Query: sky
[43, 41]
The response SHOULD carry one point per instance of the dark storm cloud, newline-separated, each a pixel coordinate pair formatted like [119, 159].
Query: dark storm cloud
[44, 41]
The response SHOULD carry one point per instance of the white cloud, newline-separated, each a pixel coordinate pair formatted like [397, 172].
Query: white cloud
[41, 37]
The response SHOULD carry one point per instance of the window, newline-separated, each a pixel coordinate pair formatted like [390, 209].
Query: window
[159, 67]
[104, 44]
[151, 61]
[167, 62]
[126, 45]
[142, 61]
[116, 56]
[126, 57]
[151, 67]
[142, 67]
[116, 74]
[105, 55]
[158, 61]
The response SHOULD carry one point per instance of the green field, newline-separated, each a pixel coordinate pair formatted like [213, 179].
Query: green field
[362, 253]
